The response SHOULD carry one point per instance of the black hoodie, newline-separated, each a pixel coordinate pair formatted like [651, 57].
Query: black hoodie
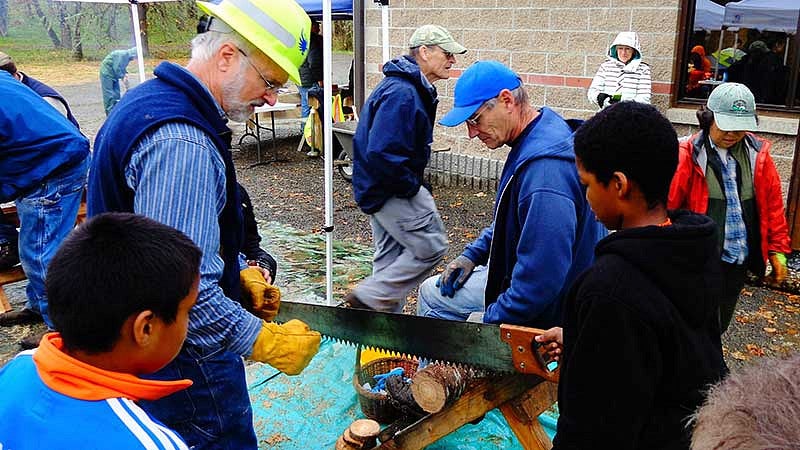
[641, 338]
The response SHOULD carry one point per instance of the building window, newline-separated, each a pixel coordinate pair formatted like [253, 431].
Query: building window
[754, 42]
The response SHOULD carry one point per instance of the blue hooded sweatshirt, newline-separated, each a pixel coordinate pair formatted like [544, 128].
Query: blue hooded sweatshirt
[544, 231]
[36, 141]
[392, 144]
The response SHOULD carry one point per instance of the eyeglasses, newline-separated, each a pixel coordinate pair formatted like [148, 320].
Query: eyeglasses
[473, 120]
[447, 54]
[272, 87]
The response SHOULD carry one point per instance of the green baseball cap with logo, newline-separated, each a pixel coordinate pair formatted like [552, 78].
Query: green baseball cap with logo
[436, 35]
[5, 59]
[734, 107]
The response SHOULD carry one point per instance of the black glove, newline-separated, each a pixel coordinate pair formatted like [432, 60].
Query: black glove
[601, 97]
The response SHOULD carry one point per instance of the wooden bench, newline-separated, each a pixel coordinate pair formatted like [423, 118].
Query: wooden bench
[16, 273]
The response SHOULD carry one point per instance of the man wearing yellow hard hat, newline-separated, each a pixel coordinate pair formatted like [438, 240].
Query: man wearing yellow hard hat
[164, 152]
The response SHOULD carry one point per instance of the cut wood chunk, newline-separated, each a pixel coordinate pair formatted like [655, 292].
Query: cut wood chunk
[364, 429]
[438, 385]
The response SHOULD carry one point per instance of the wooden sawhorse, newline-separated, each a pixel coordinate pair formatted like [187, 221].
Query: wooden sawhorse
[521, 398]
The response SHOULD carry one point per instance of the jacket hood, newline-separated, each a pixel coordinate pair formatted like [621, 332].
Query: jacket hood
[700, 50]
[556, 143]
[629, 38]
[676, 258]
[554, 140]
[407, 68]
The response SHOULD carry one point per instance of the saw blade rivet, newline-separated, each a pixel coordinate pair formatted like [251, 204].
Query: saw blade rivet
[508, 334]
[521, 349]
[522, 365]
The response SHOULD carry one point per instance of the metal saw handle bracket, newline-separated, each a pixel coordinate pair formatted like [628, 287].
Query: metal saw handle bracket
[527, 355]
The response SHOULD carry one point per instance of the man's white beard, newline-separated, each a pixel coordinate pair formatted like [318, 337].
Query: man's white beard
[236, 109]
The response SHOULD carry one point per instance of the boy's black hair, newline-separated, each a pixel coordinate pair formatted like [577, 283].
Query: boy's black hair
[632, 138]
[111, 267]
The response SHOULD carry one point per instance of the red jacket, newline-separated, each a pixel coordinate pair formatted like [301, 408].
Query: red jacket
[689, 189]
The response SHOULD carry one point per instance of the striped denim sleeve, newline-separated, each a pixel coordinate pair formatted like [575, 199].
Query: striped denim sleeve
[179, 180]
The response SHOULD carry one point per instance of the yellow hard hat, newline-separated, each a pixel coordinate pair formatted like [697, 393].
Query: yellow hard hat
[279, 28]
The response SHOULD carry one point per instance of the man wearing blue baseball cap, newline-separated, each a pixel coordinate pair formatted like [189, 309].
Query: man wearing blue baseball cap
[543, 234]
[391, 148]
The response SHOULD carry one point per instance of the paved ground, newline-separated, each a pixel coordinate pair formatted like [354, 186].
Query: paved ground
[290, 192]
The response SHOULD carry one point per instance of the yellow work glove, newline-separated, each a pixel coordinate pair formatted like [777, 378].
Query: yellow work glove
[263, 298]
[288, 347]
[778, 262]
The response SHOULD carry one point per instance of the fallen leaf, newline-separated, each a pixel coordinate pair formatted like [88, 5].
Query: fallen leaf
[770, 330]
[754, 350]
[480, 194]
[791, 332]
[739, 355]
[742, 319]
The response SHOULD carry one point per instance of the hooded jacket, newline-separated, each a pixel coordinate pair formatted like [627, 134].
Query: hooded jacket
[689, 190]
[631, 80]
[31, 153]
[392, 144]
[641, 338]
[543, 233]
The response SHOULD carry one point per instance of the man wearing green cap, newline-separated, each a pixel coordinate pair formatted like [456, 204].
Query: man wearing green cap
[544, 232]
[726, 172]
[164, 152]
[391, 148]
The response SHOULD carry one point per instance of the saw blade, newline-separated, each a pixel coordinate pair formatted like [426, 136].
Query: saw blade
[477, 345]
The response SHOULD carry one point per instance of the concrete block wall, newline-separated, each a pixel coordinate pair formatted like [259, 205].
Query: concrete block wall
[556, 48]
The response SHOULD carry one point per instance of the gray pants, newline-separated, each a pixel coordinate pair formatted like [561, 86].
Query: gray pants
[409, 240]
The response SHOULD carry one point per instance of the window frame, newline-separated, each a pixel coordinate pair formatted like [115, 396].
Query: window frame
[680, 76]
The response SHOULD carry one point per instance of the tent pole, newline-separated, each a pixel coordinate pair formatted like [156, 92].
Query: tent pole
[719, 53]
[327, 146]
[385, 30]
[137, 35]
[358, 54]
[786, 50]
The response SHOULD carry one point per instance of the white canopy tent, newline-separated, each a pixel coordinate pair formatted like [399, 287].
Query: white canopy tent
[708, 15]
[764, 15]
[137, 34]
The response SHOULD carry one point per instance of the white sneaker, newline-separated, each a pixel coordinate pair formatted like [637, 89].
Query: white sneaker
[313, 153]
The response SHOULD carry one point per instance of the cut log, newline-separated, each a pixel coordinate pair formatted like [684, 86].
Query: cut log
[439, 385]
[363, 429]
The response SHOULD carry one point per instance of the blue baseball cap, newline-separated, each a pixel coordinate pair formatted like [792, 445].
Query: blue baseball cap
[480, 82]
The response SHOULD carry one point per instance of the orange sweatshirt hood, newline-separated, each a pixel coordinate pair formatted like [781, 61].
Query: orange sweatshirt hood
[76, 379]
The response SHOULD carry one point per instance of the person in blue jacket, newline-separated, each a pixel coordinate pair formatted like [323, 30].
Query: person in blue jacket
[9, 253]
[44, 160]
[46, 92]
[391, 148]
[543, 234]
[114, 68]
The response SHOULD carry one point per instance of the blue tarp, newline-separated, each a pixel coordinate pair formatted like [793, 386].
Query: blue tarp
[312, 410]
[339, 8]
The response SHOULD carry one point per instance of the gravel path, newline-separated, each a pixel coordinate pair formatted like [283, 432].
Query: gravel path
[291, 192]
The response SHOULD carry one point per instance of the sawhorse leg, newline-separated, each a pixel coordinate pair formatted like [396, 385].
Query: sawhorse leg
[531, 392]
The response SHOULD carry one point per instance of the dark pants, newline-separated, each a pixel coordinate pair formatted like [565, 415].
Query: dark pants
[733, 277]
[214, 413]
